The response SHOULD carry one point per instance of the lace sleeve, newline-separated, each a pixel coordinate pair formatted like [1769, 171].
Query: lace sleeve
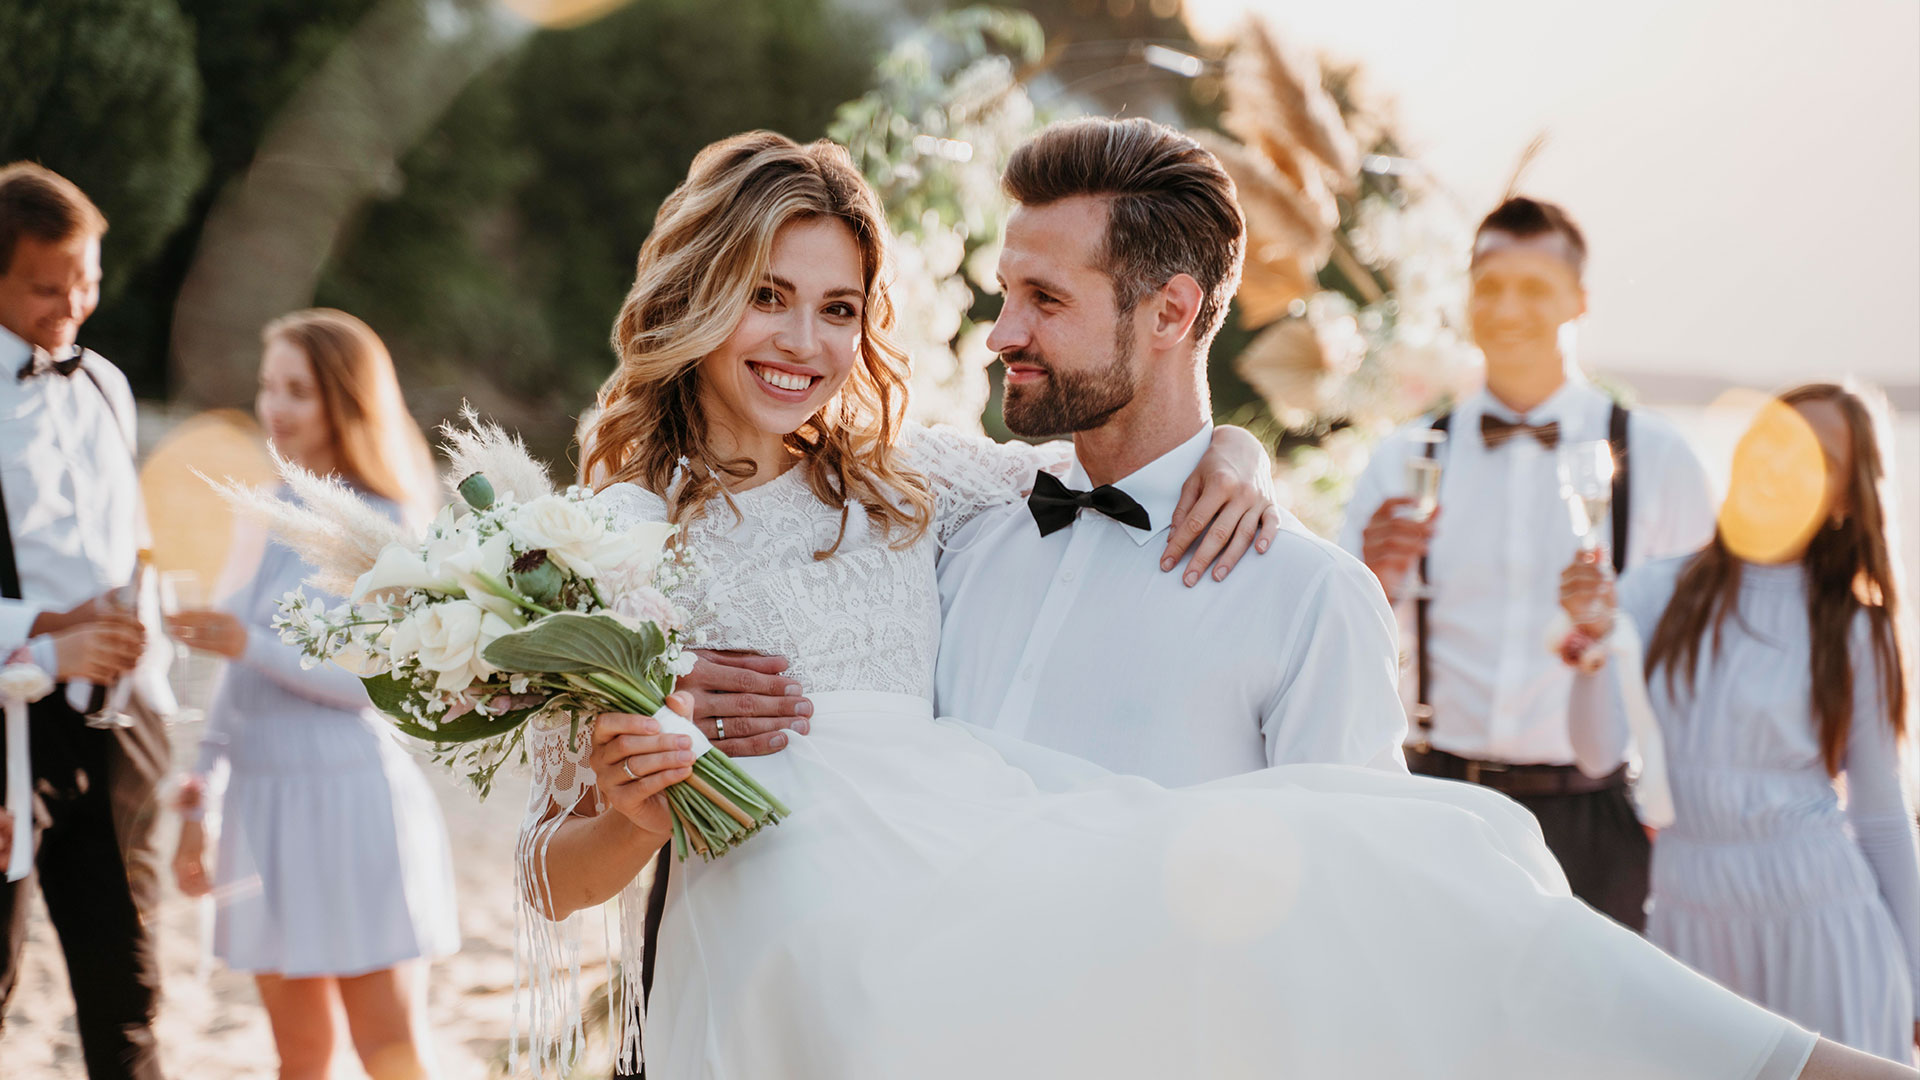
[970, 473]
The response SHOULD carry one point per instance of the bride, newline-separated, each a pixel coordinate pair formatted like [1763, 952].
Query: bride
[942, 905]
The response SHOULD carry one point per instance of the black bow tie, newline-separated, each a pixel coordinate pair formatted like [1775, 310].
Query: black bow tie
[1494, 431]
[1055, 505]
[43, 363]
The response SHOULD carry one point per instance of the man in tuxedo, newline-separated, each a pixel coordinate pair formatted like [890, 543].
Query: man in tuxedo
[69, 552]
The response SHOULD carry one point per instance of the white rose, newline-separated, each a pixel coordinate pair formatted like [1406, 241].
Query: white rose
[562, 527]
[646, 605]
[24, 682]
[449, 638]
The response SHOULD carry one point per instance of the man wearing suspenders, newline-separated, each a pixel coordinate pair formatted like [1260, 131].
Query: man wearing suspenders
[70, 532]
[1489, 701]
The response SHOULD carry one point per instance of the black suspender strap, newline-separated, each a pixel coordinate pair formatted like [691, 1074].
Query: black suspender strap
[9, 570]
[1423, 712]
[1622, 488]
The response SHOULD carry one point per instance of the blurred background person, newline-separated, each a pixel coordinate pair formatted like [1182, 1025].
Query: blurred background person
[69, 558]
[1489, 704]
[1776, 662]
[333, 879]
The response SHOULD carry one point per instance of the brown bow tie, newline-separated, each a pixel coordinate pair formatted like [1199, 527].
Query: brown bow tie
[1494, 431]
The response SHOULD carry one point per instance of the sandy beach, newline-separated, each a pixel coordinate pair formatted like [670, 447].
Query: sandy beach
[212, 1027]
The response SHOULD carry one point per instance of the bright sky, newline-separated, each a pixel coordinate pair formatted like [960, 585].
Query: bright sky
[1747, 171]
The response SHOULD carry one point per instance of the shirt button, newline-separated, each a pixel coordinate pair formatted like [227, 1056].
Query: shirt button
[1026, 673]
[1067, 576]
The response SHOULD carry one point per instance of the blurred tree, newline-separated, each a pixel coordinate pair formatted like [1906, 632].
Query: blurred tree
[511, 242]
[107, 95]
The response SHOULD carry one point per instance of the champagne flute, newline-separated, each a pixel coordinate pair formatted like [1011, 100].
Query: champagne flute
[1586, 483]
[181, 591]
[1423, 487]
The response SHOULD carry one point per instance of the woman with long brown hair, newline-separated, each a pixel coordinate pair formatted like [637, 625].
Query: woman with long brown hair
[1777, 666]
[333, 880]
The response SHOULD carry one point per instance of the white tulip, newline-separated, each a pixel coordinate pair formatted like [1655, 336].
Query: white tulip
[400, 567]
[633, 552]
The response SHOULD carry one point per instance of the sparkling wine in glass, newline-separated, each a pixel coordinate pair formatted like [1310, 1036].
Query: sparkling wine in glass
[1423, 487]
[1586, 483]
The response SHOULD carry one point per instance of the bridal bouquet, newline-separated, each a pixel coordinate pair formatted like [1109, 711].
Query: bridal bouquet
[518, 602]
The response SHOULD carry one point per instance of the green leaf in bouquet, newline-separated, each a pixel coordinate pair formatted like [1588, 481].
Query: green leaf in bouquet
[390, 695]
[573, 643]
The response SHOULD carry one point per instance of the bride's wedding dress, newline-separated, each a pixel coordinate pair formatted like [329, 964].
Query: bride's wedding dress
[948, 903]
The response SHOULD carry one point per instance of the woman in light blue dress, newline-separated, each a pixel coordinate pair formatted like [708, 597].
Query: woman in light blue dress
[333, 879]
[1776, 669]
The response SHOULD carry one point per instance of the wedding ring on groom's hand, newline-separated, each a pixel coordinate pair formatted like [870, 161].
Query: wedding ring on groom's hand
[719, 728]
[628, 769]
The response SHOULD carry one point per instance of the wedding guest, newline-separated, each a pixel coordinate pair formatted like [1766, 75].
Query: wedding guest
[69, 548]
[1488, 701]
[1777, 668]
[334, 879]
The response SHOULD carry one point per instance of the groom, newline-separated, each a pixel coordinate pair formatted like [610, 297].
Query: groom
[1061, 625]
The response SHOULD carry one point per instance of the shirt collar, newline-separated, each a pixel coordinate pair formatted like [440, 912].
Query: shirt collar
[1562, 406]
[14, 351]
[1155, 485]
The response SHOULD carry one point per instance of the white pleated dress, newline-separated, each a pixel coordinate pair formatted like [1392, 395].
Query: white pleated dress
[332, 855]
[1764, 882]
[950, 903]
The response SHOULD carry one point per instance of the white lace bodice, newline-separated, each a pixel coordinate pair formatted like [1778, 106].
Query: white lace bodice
[865, 618]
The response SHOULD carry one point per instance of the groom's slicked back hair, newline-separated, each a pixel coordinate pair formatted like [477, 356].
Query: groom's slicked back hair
[1171, 208]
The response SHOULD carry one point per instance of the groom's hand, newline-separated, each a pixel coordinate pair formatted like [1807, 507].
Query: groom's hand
[744, 702]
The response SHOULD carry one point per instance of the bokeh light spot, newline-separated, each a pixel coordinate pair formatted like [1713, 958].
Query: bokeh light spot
[1777, 488]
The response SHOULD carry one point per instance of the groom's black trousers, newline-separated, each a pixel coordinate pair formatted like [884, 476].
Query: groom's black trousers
[94, 810]
[1594, 833]
[656, 911]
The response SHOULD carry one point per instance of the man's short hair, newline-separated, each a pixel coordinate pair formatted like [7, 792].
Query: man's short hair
[1170, 206]
[1523, 219]
[41, 203]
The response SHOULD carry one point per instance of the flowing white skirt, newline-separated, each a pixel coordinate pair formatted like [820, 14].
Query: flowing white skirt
[944, 903]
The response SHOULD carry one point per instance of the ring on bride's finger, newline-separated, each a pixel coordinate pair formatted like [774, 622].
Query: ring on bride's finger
[719, 728]
[628, 769]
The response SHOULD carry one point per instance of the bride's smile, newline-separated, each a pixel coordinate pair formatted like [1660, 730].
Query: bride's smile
[795, 345]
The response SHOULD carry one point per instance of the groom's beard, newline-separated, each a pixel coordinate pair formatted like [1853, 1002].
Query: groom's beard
[1066, 402]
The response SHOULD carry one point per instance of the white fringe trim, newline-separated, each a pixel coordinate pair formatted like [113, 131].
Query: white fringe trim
[546, 966]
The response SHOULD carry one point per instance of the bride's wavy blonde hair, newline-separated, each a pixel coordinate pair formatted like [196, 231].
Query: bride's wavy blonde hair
[709, 251]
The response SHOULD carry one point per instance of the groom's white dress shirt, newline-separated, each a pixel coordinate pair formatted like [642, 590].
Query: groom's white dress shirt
[1079, 642]
[72, 494]
[1504, 536]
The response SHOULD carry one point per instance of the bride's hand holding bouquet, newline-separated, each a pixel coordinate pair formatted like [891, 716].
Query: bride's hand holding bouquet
[634, 763]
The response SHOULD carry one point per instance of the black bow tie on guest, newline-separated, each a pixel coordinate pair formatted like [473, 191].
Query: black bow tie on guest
[43, 363]
[1055, 505]
[1494, 431]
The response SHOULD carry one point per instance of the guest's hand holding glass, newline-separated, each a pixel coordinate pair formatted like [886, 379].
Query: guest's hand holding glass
[1587, 593]
[98, 652]
[208, 630]
[1394, 543]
